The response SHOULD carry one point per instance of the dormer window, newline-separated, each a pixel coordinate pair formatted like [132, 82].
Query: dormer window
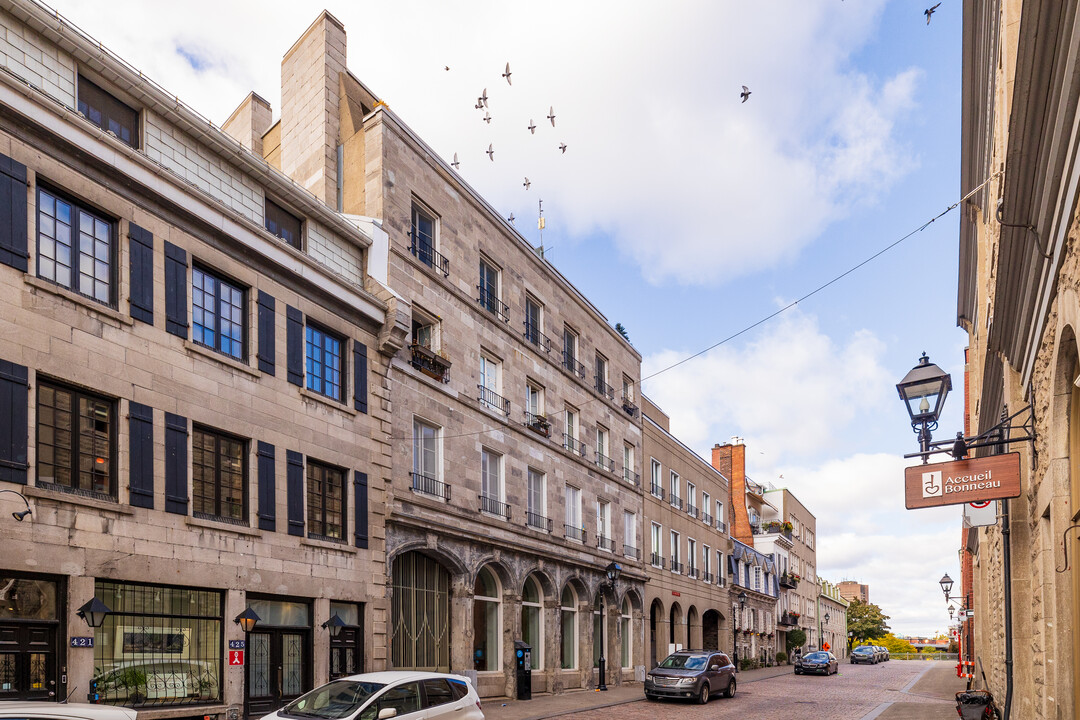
[108, 113]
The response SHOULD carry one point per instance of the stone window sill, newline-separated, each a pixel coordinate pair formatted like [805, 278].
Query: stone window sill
[222, 526]
[73, 499]
[328, 402]
[86, 303]
[195, 348]
[327, 545]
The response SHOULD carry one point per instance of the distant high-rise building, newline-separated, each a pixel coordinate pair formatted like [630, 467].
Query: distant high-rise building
[851, 590]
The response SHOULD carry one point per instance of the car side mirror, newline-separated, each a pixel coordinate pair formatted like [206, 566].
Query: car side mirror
[714, 668]
[387, 713]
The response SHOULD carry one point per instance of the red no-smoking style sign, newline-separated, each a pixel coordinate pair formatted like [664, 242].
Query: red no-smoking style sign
[978, 480]
[236, 657]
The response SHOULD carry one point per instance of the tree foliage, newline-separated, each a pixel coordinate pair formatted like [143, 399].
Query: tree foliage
[795, 638]
[893, 643]
[866, 621]
[619, 328]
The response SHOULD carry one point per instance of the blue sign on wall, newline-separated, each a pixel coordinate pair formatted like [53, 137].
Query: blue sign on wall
[236, 644]
[82, 642]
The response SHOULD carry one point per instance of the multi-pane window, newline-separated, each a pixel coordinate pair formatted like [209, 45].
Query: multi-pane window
[284, 224]
[217, 473]
[489, 287]
[423, 331]
[757, 578]
[75, 247]
[706, 503]
[324, 362]
[627, 388]
[691, 497]
[491, 475]
[108, 113]
[720, 512]
[691, 553]
[75, 440]
[534, 318]
[534, 400]
[423, 235]
[673, 488]
[217, 313]
[536, 499]
[573, 512]
[675, 541]
[425, 450]
[656, 486]
[571, 424]
[326, 501]
[601, 443]
[603, 520]
[657, 538]
[706, 558]
[490, 387]
[628, 462]
[629, 530]
[570, 349]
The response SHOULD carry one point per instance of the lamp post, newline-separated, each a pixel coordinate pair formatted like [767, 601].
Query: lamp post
[850, 640]
[923, 391]
[735, 649]
[612, 571]
[946, 584]
[822, 631]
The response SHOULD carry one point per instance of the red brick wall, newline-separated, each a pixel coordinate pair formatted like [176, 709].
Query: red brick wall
[730, 460]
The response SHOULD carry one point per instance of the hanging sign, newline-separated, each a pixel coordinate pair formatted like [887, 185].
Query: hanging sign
[962, 481]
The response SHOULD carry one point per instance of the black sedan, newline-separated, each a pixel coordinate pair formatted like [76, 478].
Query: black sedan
[817, 662]
[864, 654]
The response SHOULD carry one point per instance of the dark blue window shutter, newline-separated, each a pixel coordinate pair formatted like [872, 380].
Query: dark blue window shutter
[176, 318]
[361, 486]
[294, 480]
[294, 345]
[141, 431]
[13, 226]
[267, 493]
[142, 273]
[267, 327]
[360, 376]
[14, 421]
[176, 464]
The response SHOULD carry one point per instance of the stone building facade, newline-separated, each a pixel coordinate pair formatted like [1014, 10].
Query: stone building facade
[687, 547]
[802, 568]
[516, 435]
[194, 398]
[1019, 301]
[832, 611]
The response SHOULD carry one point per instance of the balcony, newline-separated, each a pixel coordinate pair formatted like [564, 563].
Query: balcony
[605, 543]
[706, 518]
[427, 485]
[773, 528]
[657, 490]
[631, 552]
[537, 522]
[493, 506]
[430, 257]
[570, 363]
[657, 560]
[493, 304]
[571, 532]
[692, 572]
[538, 424]
[628, 406]
[788, 619]
[691, 510]
[631, 477]
[493, 401]
[604, 462]
[789, 581]
[573, 445]
[676, 501]
[537, 338]
[721, 525]
[430, 362]
[676, 566]
[707, 577]
[604, 389]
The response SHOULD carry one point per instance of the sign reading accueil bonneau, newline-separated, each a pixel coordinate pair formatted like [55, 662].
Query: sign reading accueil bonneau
[962, 481]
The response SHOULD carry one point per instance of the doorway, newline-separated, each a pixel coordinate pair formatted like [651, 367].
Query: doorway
[29, 628]
[279, 655]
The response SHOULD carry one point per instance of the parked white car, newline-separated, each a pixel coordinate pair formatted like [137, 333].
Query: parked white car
[29, 710]
[402, 694]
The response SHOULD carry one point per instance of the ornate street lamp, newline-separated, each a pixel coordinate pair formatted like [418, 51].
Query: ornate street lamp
[613, 570]
[247, 620]
[735, 649]
[93, 612]
[946, 584]
[923, 391]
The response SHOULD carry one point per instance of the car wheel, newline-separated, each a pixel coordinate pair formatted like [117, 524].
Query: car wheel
[796, 671]
[703, 695]
[730, 692]
[650, 697]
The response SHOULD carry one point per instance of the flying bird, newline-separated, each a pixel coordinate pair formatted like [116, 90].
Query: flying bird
[551, 115]
[490, 153]
[745, 94]
[483, 98]
[526, 183]
[455, 164]
[479, 104]
[532, 126]
[507, 74]
[511, 218]
[447, 68]
[930, 11]
[562, 146]
[487, 118]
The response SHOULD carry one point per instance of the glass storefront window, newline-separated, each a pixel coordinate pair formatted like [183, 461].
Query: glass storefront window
[532, 623]
[27, 599]
[278, 613]
[486, 622]
[569, 628]
[158, 646]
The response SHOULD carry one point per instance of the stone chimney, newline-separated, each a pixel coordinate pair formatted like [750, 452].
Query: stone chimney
[730, 461]
[310, 76]
[249, 122]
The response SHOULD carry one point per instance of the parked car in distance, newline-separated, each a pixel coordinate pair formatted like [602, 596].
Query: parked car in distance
[865, 654]
[884, 652]
[817, 662]
[30, 710]
[401, 694]
[691, 674]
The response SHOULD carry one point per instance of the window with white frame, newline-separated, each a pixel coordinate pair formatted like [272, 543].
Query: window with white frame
[573, 527]
[602, 458]
[491, 383]
[426, 469]
[491, 482]
[676, 565]
[657, 546]
[706, 503]
[603, 525]
[534, 399]
[536, 508]
[628, 464]
[673, 489]
[656, 486]
[534, 321]
[757, 578]
[720, 512]
[706, 558]
[629, 533]
[691, 498]
[721, 572]
[691, 555]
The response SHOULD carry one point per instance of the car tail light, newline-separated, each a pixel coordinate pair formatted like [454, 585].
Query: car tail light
[479, 706]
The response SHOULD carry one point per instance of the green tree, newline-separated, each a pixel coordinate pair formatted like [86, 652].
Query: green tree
[795, 638]
[866, 621]
[619, 328]
[893, 643]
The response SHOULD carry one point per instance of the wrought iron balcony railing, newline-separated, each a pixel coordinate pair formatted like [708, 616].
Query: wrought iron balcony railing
[427, 485]
[657, 560]
[538, 424]
[538, 522]
[675, 501]
[657, 490]
[605, 543]
[631, 552]
[604, 461]
[604, 389]
[676, 566]
[706, 518]
[570, 363]
[573, 445]
[691, 572]
[537, 338]
[430, 257]
[707, 577]
[572, 532]
[430, 363]
[493, 401]
[494, 506]
[628, 406]
[721, 525]
[631, 477]
[788, 582]
[490, 302]
[691, 510]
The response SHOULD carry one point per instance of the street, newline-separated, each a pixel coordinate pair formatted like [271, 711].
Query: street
[896, 690]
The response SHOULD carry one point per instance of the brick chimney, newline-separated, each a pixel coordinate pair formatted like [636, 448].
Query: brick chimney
[310, 77]
[730, 460]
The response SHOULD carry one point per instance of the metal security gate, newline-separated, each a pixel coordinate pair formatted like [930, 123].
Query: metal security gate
[420, 614]
[278, 669]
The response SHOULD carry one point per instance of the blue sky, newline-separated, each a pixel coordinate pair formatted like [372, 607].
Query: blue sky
[687, 215]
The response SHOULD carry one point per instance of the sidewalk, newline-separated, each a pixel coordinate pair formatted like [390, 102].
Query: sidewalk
[938, 682]
[573, 701]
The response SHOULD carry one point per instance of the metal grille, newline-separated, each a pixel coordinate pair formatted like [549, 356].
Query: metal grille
[538, 522]
[490, 302]
[661, 681]
[493, 400]
[430, 486]
[158, 646]
[420, 614]
[493, 506]
[575, 533]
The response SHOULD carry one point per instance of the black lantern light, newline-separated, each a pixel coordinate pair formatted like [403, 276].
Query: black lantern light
[946, 585]
[93, 612]
[334, 625]
[923, 391]
[19, 515]
[247, 620]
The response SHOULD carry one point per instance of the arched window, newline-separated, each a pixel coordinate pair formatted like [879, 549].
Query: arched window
[420, 614]
[624, 634]
[486, 650]
[568, 613]
[532, 620]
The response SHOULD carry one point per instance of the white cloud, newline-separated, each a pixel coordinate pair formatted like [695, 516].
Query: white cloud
[690, 183]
